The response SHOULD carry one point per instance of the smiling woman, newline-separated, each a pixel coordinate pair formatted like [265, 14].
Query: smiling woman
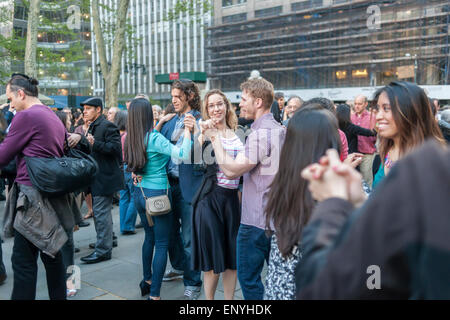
[405, 120]
[216, 208]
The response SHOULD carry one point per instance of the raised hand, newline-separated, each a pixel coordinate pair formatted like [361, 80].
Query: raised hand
[90, 138]
[206, 124]
[190, 122]
[73, 139]
[354, 159]
[333, 178]
[167, 117]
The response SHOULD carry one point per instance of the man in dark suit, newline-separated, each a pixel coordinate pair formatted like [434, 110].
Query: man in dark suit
[104, 138]
[185, 180]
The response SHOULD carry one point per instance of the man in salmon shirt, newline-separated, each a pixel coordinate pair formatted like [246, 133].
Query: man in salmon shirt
[366, 145]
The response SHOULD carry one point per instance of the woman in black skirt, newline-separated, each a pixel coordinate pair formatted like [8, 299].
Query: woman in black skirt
[217, 212]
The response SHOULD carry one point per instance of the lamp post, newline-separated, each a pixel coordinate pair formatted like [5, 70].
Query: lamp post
[415, 65]
[136, 67]
[99, 71]
[415, 68]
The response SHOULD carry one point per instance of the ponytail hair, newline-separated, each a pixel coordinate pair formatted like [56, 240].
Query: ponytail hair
[23, 82]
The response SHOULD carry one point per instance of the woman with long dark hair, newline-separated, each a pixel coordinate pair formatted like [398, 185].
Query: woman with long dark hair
[217, 215]
[352, 131]
[310, 133]
[405, 120]
[127, 210]
[146, 155]
[65, 119]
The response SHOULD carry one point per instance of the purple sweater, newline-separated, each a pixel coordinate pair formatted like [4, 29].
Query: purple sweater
[35, 132]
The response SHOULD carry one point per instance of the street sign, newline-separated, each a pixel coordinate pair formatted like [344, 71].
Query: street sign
[174, 76]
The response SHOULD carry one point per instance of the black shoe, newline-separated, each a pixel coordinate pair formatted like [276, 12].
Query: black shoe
[139, 225]
[92, 245]
[3, 278]
[145, 288]
[83, 224]
[114, 236]
[94, 257]
[76, 250]
[128, 232]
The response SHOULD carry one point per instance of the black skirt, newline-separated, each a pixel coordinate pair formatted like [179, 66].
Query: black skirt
[216, 221]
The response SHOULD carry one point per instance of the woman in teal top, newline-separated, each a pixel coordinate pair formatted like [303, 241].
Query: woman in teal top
[378, 176]
[404, 121]
[146, 154]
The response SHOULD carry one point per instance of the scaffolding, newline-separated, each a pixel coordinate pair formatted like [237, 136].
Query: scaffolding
[330, 44]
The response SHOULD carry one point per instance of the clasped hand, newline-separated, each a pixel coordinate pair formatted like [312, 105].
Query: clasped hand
[331, 178]
[208, 128]
[190, 123]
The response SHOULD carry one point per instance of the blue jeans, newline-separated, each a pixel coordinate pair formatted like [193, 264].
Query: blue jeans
[180, 243]
[156, 237]
[253, 247]
[128, 213]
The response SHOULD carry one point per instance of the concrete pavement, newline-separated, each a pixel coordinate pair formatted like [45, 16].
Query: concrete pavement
[116, 279]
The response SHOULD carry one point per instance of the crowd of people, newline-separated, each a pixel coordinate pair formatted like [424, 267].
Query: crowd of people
[317, 191]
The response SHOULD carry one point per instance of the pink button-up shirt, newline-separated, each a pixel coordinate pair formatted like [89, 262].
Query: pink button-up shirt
[263, 146]
[366, 120]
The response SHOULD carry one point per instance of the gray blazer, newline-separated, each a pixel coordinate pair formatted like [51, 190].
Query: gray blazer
[42, 221]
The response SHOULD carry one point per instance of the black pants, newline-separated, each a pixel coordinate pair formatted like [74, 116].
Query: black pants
[2, 266]
[24, 264]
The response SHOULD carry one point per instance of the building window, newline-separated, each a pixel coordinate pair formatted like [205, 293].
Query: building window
[310, 4]
[234, 18]
[268, 12]
[226, 3]
[19, 13]
[297, 6]
[241, 1]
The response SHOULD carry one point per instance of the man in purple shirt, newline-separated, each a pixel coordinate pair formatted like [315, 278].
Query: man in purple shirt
[35, 132]
[258, 164]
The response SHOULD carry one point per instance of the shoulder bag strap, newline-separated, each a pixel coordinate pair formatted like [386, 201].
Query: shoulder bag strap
[143, 194]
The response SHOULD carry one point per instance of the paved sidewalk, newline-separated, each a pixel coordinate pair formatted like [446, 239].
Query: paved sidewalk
[116, 279]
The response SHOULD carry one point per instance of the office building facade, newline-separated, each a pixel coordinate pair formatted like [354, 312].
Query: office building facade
[67, 75]
[332, 48]
[158, 50]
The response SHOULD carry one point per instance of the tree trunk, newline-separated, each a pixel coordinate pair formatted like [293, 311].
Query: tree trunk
[111, 74]
[31, 44]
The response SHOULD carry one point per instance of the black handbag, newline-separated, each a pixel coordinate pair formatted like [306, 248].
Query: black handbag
[57, 176]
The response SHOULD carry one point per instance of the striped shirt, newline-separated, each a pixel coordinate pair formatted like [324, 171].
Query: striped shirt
[232, 147]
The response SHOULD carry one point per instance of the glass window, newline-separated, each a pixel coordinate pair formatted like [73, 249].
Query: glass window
[226, 3]
[18, 12]
[268, 12]
[297, 6]
[234, 18]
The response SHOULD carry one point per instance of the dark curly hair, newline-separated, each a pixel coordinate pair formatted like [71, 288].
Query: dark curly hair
[188, 87]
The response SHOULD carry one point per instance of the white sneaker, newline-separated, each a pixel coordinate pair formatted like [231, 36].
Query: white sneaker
[191, 294]
[173, 274]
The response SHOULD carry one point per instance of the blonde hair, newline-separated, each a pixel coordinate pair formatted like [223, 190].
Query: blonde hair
[230, 117]
[259, 88]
